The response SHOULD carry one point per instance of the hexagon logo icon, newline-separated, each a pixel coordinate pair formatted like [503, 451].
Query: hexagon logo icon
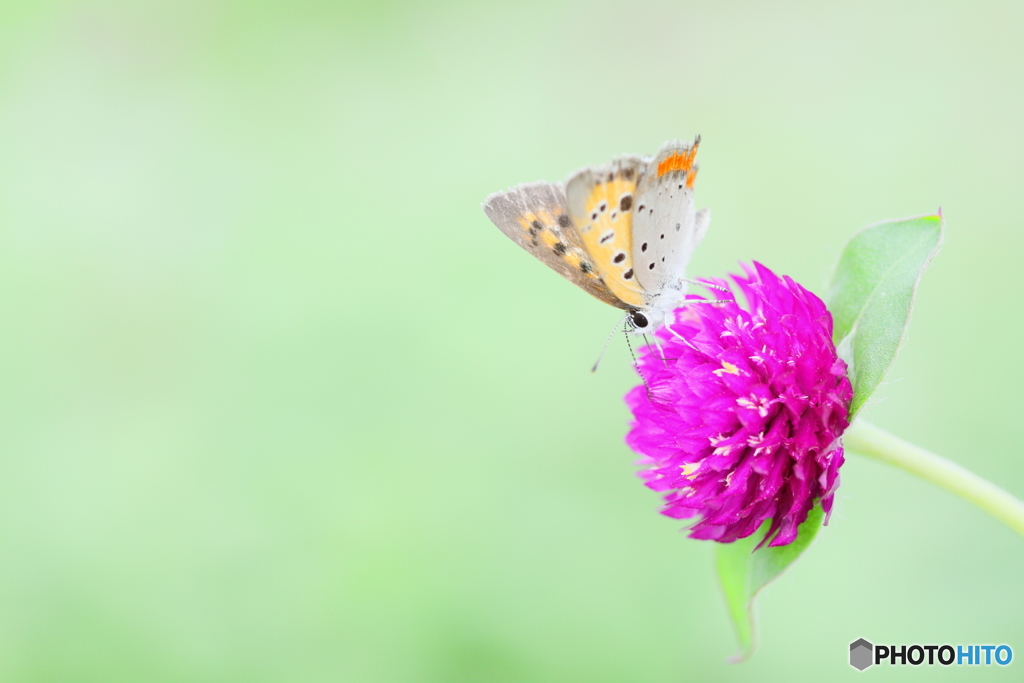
[861, 652]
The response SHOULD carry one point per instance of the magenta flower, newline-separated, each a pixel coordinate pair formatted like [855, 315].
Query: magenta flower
[741, 420]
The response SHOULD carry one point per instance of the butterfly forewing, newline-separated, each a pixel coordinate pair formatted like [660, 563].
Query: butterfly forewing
[600, 202]
[535, 217]
[666, 225]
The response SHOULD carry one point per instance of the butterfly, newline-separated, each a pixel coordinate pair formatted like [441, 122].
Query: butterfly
[623, 232]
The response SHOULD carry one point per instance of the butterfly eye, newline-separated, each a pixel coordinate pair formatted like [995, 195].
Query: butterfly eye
[639, 320]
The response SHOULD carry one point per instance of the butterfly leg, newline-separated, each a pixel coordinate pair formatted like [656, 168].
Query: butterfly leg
[715, 301]
[661, 352]
[704, 284]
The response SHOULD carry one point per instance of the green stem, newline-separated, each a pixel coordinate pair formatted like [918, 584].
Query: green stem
[869, 440]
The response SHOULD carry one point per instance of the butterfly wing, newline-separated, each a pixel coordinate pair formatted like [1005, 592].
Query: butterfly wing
[600, 202]
[535, 216]
[666, 225]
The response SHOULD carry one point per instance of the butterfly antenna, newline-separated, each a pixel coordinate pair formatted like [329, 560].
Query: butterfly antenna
[608, 342]
[637, 365]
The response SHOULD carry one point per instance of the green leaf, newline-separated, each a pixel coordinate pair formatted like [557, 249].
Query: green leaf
[872, 293]
[870, 300]
[743, 572]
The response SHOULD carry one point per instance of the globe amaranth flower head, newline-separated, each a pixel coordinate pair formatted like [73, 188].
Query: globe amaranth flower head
[740, 419]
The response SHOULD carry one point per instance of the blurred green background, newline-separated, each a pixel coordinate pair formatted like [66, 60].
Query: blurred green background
[278, 403]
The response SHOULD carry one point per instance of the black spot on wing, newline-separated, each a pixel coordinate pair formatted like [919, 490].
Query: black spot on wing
[626, 203]
[559, 248]
[564, 221]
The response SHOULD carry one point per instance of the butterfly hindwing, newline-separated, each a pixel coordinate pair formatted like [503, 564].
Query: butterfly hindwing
[666, 225]
[535, 216]
[600, 202]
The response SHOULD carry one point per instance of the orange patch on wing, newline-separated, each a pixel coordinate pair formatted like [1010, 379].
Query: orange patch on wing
[543, 217]
[571, 254]
[548, 239]
[680, 161]
[526, 220]
[691, 176]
